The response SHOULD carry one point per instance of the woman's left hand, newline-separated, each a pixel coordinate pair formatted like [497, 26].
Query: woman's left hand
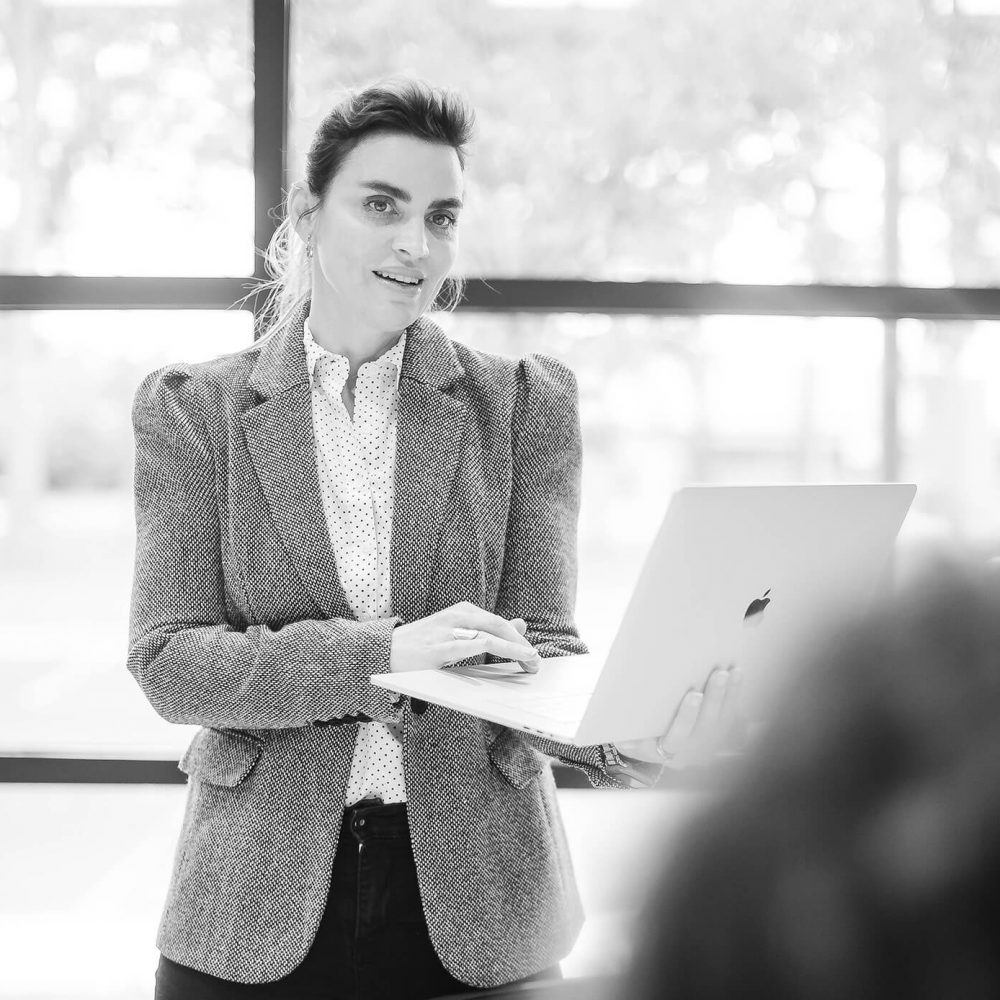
[705, 723]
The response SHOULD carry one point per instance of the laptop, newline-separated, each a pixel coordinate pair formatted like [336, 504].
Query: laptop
[737, 575]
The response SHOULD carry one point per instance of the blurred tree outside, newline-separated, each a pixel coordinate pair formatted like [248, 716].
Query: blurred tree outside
[778, 141]
[784, 141]
[694, 140]
[125, 148]
[125, 140]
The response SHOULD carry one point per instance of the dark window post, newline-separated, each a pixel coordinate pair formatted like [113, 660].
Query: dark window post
[271, 24]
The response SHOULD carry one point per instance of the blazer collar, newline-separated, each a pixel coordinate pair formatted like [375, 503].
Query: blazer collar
[279, 435]
[428, 357]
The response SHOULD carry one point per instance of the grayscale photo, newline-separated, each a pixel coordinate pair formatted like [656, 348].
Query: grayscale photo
[499, 498]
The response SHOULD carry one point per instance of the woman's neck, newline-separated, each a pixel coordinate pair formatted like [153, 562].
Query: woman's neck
[358, 344]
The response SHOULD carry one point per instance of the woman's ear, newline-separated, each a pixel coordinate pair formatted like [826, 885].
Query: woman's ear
[300, 201]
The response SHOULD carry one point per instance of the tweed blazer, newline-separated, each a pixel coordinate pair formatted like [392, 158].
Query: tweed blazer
[239, 624]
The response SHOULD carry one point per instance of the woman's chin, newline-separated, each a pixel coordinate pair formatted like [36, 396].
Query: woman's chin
[399, 317]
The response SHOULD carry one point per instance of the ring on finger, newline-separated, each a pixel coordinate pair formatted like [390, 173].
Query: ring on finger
[465, 633]
[662, 752]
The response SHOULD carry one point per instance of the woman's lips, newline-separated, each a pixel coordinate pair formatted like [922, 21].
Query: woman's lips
[400, 280]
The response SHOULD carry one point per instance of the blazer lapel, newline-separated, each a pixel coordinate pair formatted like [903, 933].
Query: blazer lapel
[279, 436]
[431, 425]
[428, 448]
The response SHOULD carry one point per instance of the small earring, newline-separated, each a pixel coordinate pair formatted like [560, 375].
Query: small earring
[309, 247]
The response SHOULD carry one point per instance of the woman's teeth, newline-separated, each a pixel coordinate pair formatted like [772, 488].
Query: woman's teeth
[408, 282]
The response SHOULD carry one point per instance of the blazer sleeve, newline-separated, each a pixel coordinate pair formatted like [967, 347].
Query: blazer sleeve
[538, 582]
[192, 664]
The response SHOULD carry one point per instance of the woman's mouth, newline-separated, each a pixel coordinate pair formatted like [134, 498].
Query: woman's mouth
[400, 280]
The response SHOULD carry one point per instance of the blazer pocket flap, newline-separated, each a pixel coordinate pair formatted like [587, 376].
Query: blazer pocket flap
[518, 762]
[220, 757]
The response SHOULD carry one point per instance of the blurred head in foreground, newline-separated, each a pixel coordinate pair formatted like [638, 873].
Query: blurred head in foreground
[860, 855]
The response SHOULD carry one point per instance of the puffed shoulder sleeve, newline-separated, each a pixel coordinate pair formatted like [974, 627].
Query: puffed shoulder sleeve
[538, 582]
[539, 576]
[191, 662]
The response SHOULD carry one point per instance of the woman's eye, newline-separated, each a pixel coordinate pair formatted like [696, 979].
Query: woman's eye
[380, 206]
[443, 220]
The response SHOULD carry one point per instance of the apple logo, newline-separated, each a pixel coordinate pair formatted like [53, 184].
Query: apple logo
[754, 613]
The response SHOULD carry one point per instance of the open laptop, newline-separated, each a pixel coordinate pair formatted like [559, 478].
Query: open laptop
[737, 575]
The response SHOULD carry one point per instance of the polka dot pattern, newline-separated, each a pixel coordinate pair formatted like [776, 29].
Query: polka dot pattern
[356, 461]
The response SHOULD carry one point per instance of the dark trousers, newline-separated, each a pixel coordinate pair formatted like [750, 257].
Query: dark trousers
[372, 942]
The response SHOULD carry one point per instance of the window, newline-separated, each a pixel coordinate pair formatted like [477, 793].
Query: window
[950, 429]
[666, 161]
[67, 527]
[666, 401]
[841, 142]
[625, 146]
[126, 139]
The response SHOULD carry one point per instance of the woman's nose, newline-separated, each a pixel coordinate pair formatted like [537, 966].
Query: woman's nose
[411, 240]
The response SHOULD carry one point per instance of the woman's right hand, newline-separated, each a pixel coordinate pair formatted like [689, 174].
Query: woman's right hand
[705, 724]
[430, 643]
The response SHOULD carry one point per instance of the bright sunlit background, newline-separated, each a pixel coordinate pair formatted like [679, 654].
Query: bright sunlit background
[782, 141]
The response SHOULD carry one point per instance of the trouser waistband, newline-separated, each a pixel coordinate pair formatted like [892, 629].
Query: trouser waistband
[373, 818]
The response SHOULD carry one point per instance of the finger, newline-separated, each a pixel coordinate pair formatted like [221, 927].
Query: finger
[470, 616]
[519, 648]
[528, 666]
[715, 698]
[684, 721]
[730, 714]
[708, 735]
[453, 650]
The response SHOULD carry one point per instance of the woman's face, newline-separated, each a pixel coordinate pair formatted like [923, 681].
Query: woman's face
[386, 234]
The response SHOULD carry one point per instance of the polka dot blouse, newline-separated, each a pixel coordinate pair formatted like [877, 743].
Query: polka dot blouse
[356, 460]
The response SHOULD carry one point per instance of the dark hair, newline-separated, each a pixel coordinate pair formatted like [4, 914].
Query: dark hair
[859, 853]
[399, 105]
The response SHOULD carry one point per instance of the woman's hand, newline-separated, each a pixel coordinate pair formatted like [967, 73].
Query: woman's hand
[705, 723]
[432, 642]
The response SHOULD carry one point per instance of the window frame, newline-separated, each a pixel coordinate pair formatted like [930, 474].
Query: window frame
[271, 20]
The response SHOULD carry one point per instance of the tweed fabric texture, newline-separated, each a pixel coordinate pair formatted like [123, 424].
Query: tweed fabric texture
[239, 624]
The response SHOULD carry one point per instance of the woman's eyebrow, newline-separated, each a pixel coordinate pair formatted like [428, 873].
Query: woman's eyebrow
[383, 187]
[447, 203]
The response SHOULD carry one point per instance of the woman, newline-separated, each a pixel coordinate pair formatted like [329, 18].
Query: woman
[352, 495]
